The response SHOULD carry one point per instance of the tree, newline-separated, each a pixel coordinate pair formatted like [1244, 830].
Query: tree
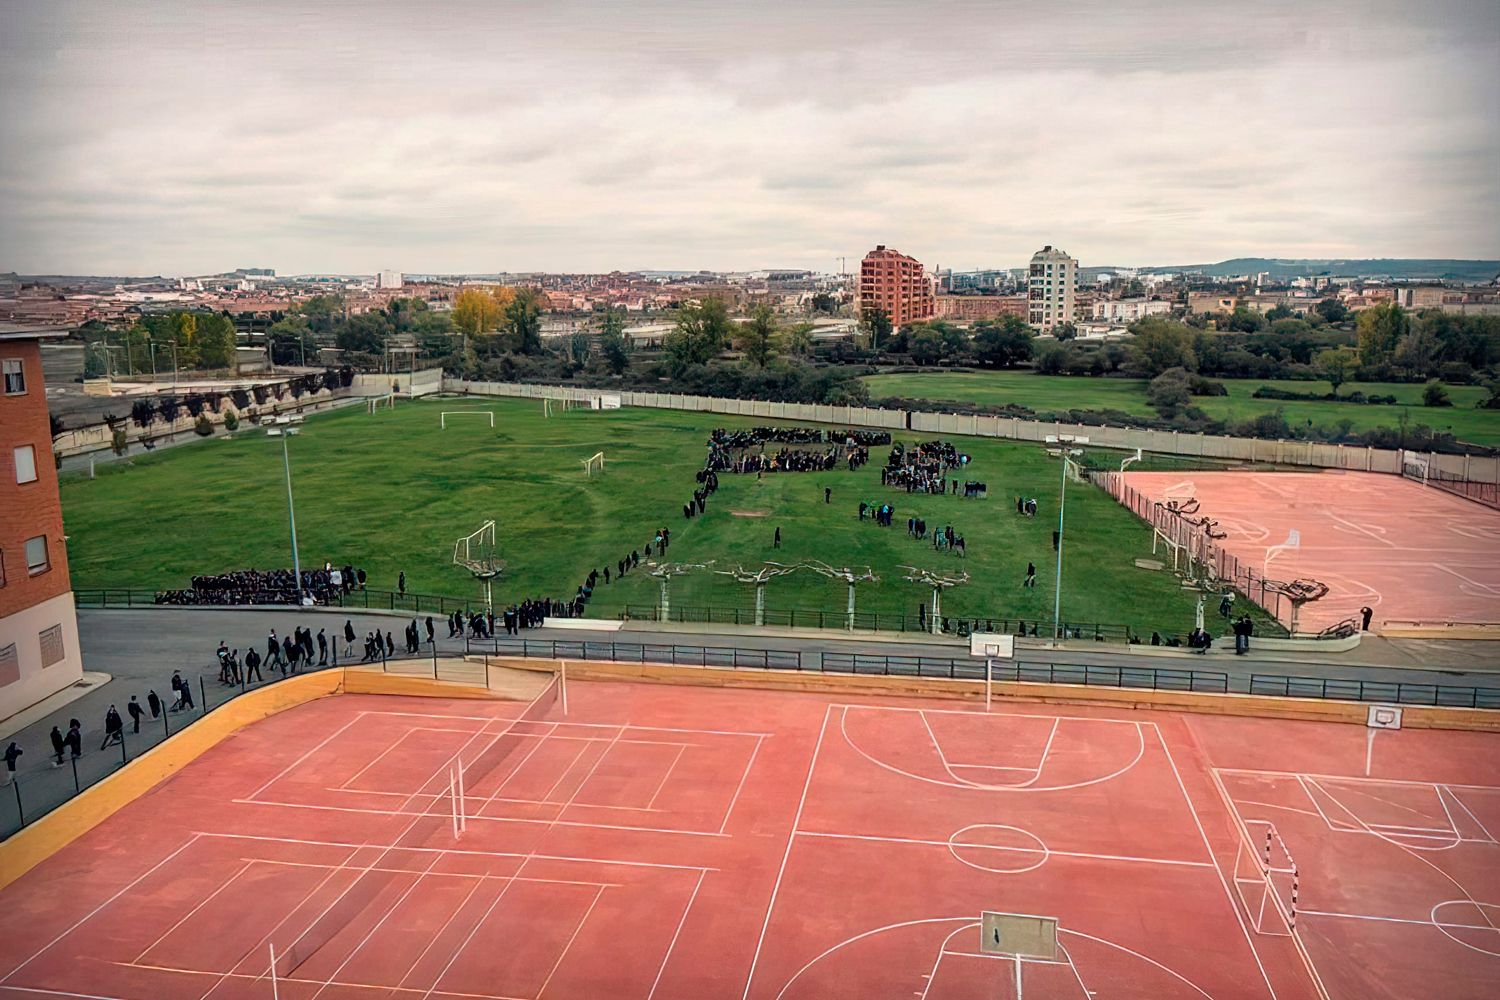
[1160, 344]
[1279, 311]
[1003, 344]
[1434, 394]
[798, 339]
[759, 338]
[613, 344]
[184, 330]
[365, 333]
[1417, 352]
[1379, 329]
[523, 321]
[323, 312]
[825, 302]
[701, 332]
[1332, 310]
[476, 311]
[1337, 365]
[217, 341]
[292, 340]
[1065, 332]
[1245, 320]
[1170, 392]
[875, 324]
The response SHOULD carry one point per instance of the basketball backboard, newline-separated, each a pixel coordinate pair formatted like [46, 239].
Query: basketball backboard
[1021, 935]
[992, 645]
[1383, 717]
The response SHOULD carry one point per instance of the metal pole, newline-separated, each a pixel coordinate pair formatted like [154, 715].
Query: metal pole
[203, 694]
[433, 644]
[1062, 503]
[74, 761]
[989, 680]
[20, 809]
[291, 513]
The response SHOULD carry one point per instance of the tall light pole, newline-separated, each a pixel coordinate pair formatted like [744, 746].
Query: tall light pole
[1063, 441]
[285, 428]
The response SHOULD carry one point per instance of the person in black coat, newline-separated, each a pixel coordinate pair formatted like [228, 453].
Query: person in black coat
[348, 632]
[134, 708]
[322, 648]
[58, 744]
[153, 700]
[252, 665]
[114, 728]
[74, 739]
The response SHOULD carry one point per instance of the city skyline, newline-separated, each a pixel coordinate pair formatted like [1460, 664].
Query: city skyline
[443, 138]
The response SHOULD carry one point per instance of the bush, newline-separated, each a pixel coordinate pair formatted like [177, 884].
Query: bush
[1435, 395]
[117, 441]
[203, 426]
[1170, 392]
[231, 420]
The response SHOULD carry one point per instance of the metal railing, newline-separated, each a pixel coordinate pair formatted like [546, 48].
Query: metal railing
[36, 792]
[873, 621]
[1385, 692]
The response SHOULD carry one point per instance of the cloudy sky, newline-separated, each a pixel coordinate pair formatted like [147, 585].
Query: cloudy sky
[586, 135]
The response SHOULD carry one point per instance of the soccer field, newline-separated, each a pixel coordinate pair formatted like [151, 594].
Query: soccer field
[390, 492]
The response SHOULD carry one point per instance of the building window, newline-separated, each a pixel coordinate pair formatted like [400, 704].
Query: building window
[10, 665]
[25, 464]
[36, 555]
[15, 376]
[51, 641]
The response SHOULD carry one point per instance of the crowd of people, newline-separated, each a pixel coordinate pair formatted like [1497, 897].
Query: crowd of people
[268, 586]
[924, 468]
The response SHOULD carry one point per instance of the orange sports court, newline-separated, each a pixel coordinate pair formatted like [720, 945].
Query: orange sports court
[1410, 553]
[648, 840]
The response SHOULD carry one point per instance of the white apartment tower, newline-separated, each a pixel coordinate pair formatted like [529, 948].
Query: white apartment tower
[388, 279]
[1053, 283]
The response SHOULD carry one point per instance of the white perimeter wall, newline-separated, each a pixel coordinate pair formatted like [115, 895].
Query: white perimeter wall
[38, 682]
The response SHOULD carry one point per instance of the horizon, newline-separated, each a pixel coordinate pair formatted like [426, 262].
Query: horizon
[339, 138]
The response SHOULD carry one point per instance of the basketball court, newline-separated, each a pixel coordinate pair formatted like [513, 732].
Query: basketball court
[1408, 552]
[655, 841]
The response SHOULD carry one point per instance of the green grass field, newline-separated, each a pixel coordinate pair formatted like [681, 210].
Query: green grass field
[1049, 393]
[391, 492]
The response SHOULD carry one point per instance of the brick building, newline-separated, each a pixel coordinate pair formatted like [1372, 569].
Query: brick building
[38, 628]
[896, 285]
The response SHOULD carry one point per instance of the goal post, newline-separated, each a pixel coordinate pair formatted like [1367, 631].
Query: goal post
[373, 403]
[477, 553]
[443, 417]
[551, 406]
[593, 465]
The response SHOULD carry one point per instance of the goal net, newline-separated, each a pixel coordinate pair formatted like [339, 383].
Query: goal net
[373, 403]
[554, 406]
[443, 417]
[1267, 879]
[593, 465]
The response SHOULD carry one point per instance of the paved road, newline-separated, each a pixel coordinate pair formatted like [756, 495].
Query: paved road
[140, 648]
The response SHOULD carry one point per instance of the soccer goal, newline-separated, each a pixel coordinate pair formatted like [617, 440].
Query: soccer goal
[554, 406]
[443, 417]
[373, 403]
[593, 465]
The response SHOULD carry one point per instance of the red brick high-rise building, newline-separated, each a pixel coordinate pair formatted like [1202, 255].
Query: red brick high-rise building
[896, 285]
[38, 627]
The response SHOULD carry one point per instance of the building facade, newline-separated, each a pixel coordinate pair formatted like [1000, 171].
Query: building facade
[1053, 281]
[896, 285]
[967, 308]
[38, 628]
[1130, 310]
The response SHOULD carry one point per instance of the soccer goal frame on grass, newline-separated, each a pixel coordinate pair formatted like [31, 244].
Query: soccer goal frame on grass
[593, 464]
[443, 417]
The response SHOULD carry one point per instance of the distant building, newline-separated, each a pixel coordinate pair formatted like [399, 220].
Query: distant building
[38, 627]
[896, 285]
[1053, 281]
[388, 279]
[968, 308]
[1130, 310]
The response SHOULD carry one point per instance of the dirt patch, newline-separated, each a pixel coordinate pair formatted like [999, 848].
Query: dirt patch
[750, 513]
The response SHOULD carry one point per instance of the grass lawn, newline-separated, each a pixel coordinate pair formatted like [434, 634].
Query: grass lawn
[391, 492]
[1048, 393]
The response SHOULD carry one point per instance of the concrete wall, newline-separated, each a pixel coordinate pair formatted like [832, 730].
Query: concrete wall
[34, 682]
[418, 383]
[1304, 453]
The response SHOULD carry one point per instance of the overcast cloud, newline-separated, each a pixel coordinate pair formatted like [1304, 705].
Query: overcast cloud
[178, 138]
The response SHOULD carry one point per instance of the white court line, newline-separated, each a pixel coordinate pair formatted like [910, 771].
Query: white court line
[547, 798]
[1208, 848]
[260, 977]
[573, 937]
[429, 873]
[1354, 779]
[479, 813]
[435, 937]
[675, 934]
[461, 851]
[991, 715]
[487, 819]
[493, 798]
[651, 802]
[579, 725]
[288, 769]
[1084, 855]
[1462, 805]
[61, 993]
[463, 945]
[1022, 788]
[85, 918]
[379, 757]
[734, 801]
[390, 911]
[202, 903]
[1399, 920]
[786, 855]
